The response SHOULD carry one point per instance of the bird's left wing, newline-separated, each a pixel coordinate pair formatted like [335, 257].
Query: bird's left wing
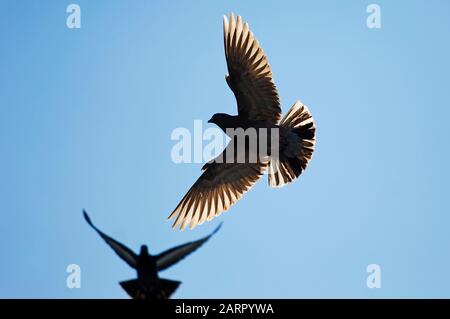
[221, 185]
[124, 252]
[174, 255]
[250, 77]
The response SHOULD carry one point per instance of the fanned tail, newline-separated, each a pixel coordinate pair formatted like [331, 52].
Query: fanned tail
[300, 142]
[163, 289]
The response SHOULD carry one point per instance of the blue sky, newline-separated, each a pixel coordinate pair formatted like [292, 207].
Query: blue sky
[86, 118]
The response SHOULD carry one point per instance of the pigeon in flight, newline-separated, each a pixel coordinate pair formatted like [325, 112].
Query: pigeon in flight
[250, 78]
[148, 285]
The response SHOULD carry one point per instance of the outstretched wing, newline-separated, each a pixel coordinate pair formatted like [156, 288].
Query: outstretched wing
[221, 184]
[250, 76]
[124, 252]
[174, 255]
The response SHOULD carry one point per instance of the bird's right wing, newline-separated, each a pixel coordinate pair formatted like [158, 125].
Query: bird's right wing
[174, 255]
[124, 252]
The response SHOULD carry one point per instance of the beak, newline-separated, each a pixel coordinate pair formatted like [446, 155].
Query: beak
[210, 121]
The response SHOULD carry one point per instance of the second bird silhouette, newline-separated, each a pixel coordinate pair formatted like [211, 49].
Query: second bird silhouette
[148, 285]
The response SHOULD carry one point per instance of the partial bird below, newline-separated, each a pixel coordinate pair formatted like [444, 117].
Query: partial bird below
[250, 78]
[148, 285]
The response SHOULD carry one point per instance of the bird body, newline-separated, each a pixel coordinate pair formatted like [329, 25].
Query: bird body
[146, 269]
[290, 140]
[148, 284]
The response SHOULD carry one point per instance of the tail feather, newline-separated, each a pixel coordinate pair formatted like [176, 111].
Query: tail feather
[167, 288]
[300, 142]
[162, 290]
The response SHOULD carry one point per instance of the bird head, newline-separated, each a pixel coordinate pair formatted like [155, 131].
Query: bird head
[222, 120]
[216, 118]
[144, 250]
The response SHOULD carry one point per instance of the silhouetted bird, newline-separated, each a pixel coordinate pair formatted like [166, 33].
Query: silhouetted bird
[250, 78]
[148, 285]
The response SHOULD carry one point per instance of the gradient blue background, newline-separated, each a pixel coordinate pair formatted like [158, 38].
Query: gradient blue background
[86, 117]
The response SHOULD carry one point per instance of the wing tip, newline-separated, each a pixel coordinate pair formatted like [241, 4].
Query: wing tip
[183, 224]
[175, 226]
[86, 217]
[217, 228]
[179, 222]
[171, 215]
